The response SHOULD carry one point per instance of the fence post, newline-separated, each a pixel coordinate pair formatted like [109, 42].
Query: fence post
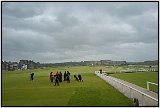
[147, 85]
[122, 88]
[142, 99]
[115, 84]
[130, 92]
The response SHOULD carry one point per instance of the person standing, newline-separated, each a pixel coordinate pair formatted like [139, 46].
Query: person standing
[68, 76]
[51, 76]
[135, 102]
[57, 79]
[57, 74]
[100, 71]
[60, 77]
[65, 74]
[32, 74]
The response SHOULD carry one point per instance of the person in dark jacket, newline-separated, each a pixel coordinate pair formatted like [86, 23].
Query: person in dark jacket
[65, 74]
[32, 74]
[60, 77]
[57, 79]
[68, 76]
[135, 102]
[100, 71]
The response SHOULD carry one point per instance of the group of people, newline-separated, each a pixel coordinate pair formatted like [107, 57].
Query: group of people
[58, 77]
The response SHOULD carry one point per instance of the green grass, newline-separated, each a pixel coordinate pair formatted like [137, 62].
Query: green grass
[18, 90]
[140, 79]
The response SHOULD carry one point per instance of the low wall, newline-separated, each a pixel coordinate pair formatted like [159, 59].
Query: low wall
[130, 92]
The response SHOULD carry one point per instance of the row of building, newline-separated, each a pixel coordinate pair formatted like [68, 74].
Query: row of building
[91, 63]
[21, 65]
[29, 64]
[101, 62]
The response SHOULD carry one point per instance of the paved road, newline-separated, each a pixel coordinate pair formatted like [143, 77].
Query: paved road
[115, 82]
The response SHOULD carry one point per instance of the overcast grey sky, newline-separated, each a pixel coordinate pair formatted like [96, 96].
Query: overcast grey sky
[79, 31]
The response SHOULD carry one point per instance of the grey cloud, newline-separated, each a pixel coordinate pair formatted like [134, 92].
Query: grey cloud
[57, 32]
[20, 10]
